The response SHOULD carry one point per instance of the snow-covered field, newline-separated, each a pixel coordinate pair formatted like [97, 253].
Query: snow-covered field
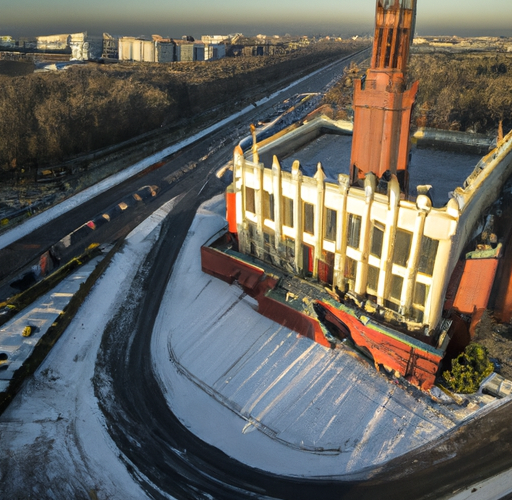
[40, 316]
[315, 411]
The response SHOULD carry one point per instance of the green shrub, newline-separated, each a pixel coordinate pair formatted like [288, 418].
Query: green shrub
[469, 369]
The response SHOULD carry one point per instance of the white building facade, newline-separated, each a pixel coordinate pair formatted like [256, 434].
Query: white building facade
[369, 241]
[137, 49]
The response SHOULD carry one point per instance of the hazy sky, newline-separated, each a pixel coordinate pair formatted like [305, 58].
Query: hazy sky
[137, 17]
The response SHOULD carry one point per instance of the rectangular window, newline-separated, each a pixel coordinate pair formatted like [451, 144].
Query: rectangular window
[252, 238]
[420, 294]
[330, 224]
[309, 218]
[289, 245]
[417, 315]
[308, 260]
[251, 228]
[354, 230]
[287, 211]
[268, 205]
[250, 204]
[396, 287]
[373, 278]
[377, 238]
[402, 248]
[428, 254]
[419, 301]
[268, 240]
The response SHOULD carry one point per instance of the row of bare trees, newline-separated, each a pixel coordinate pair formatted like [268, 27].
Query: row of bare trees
[463, 92]
[470, 92]
[49, 117]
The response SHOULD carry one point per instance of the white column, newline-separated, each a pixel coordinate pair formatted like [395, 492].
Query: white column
[319, 216]
[297, 214]
[341, 233]
[370, 183]
[388, 242]
[423, 204]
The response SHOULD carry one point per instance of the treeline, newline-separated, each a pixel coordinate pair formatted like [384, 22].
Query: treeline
[52, 116]
[463, 92]
[470, 92]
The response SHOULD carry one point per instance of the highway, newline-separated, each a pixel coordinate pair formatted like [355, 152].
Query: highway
[166, 458]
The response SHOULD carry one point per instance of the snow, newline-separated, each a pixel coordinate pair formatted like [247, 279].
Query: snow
[494, 488]
[55, 419]
[316, 411]
[40, 315]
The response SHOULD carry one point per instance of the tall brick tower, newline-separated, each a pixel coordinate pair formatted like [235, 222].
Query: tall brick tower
[382, 103]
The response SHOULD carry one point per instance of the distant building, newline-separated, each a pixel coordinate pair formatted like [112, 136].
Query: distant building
[84, 47]
[213, 51]
[7, 42]
[138, 49]
[110, 47]
[27, 43]
[135, 49]
[53, 42]
[215, 39]
[190, 51]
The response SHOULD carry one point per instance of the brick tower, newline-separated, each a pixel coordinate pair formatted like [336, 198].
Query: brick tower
[382, 103]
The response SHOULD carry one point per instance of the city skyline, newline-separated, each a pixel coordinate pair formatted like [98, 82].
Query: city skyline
[195, 17]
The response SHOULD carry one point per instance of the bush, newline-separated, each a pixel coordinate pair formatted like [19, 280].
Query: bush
[469, 369]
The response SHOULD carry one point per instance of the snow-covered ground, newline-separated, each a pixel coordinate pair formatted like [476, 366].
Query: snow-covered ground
[317, 411]
[55, 419]
[54, 440]
[40, 316]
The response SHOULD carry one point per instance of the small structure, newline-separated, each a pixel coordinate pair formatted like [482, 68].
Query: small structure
[82, 46]
[190, 51]
[215, 39]
[7, 42]
[110, 47]
[214, 51]
[53, 42]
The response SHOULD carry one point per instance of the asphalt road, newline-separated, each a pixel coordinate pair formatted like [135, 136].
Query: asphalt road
[163, 455]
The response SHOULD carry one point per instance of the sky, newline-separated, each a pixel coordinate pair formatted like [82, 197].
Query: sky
[196, 17]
